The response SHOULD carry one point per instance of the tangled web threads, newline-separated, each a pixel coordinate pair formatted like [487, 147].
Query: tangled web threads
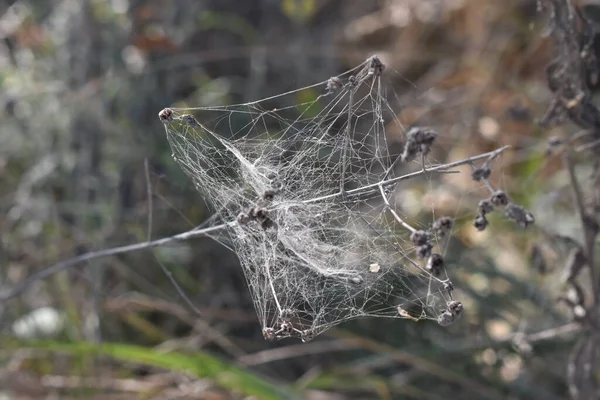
[306, 190]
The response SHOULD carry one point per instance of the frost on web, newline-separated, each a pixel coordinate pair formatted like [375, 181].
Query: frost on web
[306, 190]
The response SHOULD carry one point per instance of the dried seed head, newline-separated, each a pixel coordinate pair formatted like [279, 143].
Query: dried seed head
[519, 215]
[190, 120]
[419, 141]
[499, 198]
[424, 250]
[480, 223]
[480, 173]
[166, 115]
[267, 223]
[376, 67]
[451, 314]
[334, 84]
[286, 328]
[352, 81]
[576, 260]
[442, 226]
[243, 218]
[435, 264]
[269, 194]
[269, 334]
[419, 238]
[485, 206]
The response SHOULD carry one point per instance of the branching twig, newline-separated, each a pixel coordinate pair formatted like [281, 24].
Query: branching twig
[194, 233]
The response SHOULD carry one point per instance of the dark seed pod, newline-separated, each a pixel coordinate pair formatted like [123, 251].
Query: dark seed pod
[480, 173]
[485, 207]
[424, 250]
[269, 194]
[334, 84]
[269, 334]
[376, 67]
[166, 115]
[419, 238]
[499, 198]
[519, 215]
[480, 223]
[451, 314]
[243, 218]
[267, 223]
[435, 264]
[442, 226]
[190, 120]
[419, 141]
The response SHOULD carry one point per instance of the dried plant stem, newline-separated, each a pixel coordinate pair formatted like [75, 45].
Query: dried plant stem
[394, 213]
[387, 182]
[589, 233]
[346, 142]
[194, 233]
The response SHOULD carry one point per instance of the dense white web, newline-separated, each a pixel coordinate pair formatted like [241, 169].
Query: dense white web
[307, 192]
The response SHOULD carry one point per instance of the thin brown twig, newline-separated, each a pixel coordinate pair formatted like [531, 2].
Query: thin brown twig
[194, 233]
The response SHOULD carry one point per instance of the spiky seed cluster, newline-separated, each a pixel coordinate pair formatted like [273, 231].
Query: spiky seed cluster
[480, 222]
[419, 141]
[485, 207]
[452, 313]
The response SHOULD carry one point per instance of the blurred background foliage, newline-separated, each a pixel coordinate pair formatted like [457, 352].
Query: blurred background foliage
[82, 82]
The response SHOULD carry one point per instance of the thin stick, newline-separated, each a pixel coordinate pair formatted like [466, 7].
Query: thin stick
[194, 233]
[163, 267]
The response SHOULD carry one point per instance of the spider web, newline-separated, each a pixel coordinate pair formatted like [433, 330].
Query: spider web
[307, 191]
